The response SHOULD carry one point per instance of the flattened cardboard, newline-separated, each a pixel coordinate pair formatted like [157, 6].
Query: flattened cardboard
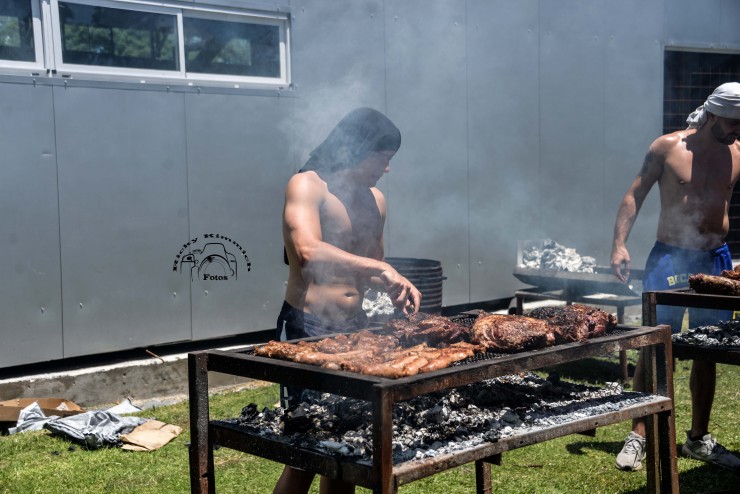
[10, 409]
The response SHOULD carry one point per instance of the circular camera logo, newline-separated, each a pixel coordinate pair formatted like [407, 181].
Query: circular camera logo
[211, 257]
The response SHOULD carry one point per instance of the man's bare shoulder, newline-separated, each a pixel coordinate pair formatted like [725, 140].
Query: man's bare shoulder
[666, 143]
[306, 183]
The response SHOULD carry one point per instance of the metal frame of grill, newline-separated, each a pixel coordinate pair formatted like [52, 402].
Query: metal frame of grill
[382, 476]
[686, 297]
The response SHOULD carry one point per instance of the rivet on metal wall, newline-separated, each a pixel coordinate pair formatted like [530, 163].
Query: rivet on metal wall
[205, 291]
[81, 305]
[174, 294]
[43, 310]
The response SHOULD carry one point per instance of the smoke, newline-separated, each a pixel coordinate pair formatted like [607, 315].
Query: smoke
[319, 109]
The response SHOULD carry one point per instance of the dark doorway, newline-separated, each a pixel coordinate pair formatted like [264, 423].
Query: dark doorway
[688, 78]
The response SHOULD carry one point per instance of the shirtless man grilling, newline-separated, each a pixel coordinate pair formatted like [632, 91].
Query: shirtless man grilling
[333, 231]
[696, 170]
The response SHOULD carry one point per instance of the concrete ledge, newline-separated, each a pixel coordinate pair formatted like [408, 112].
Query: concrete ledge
[139, 380]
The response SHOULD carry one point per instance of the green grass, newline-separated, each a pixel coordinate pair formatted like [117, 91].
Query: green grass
[35, 462]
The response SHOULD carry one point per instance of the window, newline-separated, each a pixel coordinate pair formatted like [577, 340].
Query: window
[149, 41]
[20, 36]
[233, 48]
[111, 37]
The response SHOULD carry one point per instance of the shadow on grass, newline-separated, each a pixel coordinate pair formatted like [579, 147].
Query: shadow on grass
[596, 370]
[700, 478]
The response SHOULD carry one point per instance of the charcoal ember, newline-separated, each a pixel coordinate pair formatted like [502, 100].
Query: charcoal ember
[723, 334]
[250, 411]
[297, 420]
[443, 422]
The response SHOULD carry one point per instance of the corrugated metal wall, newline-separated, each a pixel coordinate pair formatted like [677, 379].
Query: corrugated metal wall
[520, 119]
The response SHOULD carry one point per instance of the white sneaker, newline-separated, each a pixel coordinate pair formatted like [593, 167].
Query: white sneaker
[632, 454]
[708, 449]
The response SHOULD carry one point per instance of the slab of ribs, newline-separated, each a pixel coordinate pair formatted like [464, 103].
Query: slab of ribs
[727, 283]
[423, 342]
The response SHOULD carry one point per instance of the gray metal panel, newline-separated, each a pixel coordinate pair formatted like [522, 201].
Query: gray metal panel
[428, 183]
[730, 18]
[238, 165]
[266, 5]
[503, 138]
[689, 22]
[633, 107]
[30, 295]
[337, 65]
[123, 208]
[572, 121]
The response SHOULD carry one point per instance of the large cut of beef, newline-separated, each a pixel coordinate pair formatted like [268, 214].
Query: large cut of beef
[576, 322]
[427, 328]
[715, 285]
[506, 333]
[543, 327]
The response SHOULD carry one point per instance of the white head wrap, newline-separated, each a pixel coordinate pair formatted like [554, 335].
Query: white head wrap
[723, 102]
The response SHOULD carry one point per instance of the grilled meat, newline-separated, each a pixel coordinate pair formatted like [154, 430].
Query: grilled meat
[434, 330]
[733, 274]
[506, 333]
[575, 322]
[715, 285]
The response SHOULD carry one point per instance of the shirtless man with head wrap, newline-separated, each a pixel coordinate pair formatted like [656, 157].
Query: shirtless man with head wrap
[333, 231]
[696, 170]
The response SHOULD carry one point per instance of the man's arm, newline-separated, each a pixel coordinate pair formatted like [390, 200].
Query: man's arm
[302, 228]
[652, 168]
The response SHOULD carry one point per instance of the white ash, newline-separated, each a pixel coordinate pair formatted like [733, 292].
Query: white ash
[377, 305]
[438, 423]
[723, 334]
[552, 255]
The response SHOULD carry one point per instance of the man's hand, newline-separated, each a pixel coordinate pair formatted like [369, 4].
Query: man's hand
[402, 292]
[620, 257]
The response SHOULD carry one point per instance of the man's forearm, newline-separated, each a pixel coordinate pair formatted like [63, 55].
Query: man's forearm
[625, 220]
[324, 257]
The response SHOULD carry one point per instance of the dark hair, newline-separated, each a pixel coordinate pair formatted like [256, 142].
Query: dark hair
[361, 132]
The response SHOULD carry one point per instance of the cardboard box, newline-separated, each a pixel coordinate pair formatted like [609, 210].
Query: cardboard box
[10, 409]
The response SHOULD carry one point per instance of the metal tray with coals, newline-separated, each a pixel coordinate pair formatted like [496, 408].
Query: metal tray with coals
[573, 283]
[603, 281]
[686, 297]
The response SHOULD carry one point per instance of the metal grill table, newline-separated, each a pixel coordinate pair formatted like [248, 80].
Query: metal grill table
[685, 297]
[382, 476]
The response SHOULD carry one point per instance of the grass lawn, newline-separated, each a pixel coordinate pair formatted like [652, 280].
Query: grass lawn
[35, 462]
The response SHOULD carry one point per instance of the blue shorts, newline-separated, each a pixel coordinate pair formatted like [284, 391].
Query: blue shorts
[293, 324]
[669, 267]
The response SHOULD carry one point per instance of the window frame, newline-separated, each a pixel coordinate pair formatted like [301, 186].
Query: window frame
[48, 44]
[72, 69]
[38, 43]
[226, 16]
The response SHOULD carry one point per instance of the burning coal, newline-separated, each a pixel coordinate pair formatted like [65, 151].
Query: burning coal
[551, 255]
[438, 423]
[724, 334]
